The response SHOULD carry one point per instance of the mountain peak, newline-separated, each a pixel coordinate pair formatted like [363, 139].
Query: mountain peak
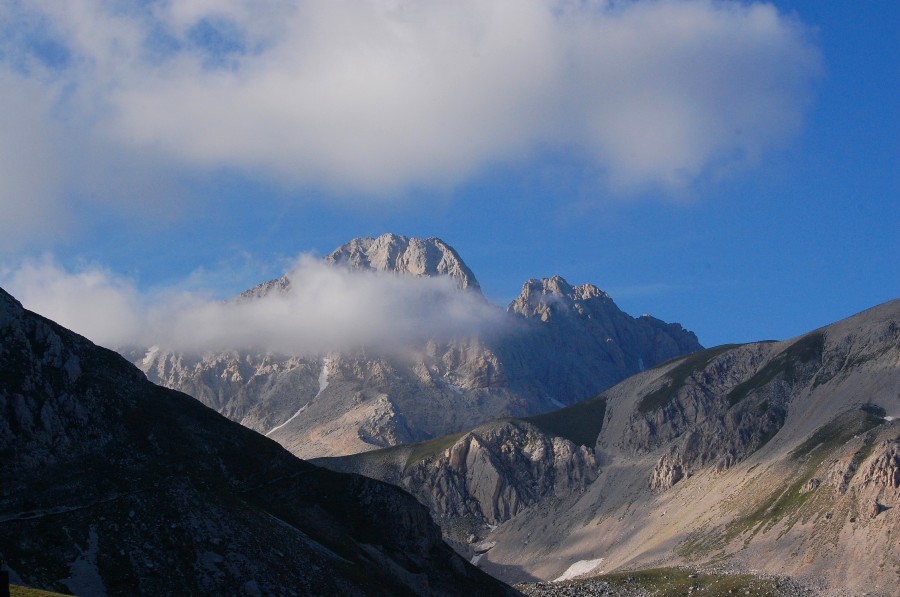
[401, 254]
[538, 295]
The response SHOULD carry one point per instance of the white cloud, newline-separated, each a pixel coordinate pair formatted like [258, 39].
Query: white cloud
[92, 302]
[30, 177]
[380, 95]
[329, 308]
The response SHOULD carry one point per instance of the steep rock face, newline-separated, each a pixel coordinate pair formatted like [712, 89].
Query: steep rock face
[560, 344]
[601, 345]
[114, 486]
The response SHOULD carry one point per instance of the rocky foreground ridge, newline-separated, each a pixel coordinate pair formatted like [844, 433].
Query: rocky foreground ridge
[561, 344]
[115, 486]
[777, 457]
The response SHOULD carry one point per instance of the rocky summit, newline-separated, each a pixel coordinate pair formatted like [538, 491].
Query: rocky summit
[559, 344]
[411, 256]
[115, 486]
[777, 458]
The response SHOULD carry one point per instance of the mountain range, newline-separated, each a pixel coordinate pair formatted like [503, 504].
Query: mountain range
[570, 441]
[773, 457]
[556, 344]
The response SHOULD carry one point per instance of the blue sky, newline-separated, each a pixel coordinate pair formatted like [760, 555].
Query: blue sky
[730, 166]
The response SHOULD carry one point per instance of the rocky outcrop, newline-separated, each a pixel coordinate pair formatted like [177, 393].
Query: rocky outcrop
[668, 471]
[496, 472]
[485, 476]
[114, 486]
[883, 467]
[717, 407]
[560, 344]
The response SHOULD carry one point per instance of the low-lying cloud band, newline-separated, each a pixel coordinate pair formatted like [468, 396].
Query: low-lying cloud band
[327, 308]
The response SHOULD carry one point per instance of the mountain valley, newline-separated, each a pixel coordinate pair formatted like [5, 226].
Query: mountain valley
[778, 457]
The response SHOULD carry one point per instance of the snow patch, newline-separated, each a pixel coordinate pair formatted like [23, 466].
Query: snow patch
[294, 416]
[323, 383]
[579, 568]
[556, 402]
[323, 376]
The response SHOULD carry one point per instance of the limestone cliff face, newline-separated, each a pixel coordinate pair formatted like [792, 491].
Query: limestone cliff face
[719, 406]
[883, 470]
[496, 472]
[561, 344]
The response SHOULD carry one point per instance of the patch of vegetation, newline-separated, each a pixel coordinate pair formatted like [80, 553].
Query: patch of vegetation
[839, 431]
[699, 544]
[664, 581]
[580, 423]
[776, 507]
[867, 448]
[804, 350]
[17, 591]
[786, 502]
[679, 374]
[425, 450]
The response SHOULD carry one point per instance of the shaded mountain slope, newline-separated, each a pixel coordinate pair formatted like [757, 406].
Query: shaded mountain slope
[779, 457]
[112, 485]
[560, 344]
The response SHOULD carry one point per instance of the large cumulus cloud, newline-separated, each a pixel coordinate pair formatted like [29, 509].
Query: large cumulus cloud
[373, 97]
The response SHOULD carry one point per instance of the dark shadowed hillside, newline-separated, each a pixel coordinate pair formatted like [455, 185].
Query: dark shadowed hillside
[114, 486]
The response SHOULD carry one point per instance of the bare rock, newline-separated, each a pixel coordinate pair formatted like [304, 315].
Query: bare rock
[882, 469]
[810, 485]
[495, 472]
[874, 509]
[668, 471]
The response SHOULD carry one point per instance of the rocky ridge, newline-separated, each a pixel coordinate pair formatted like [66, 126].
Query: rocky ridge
[562, 344]
[115, 486]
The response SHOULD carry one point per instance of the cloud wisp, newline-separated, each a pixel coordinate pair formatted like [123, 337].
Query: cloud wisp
[374, 97]
[328, 308]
